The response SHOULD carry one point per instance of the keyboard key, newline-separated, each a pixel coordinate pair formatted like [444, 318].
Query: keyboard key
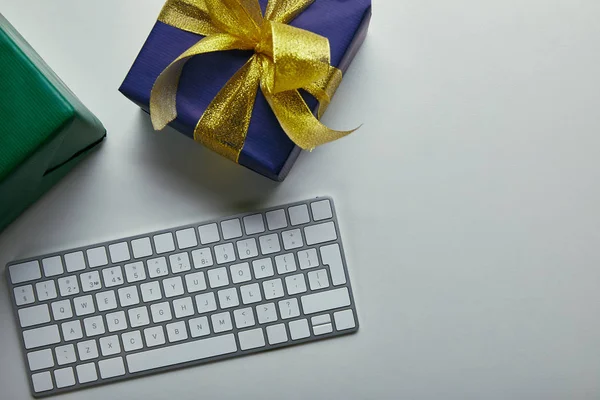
[141, 247]
[202, 258]
[321, 210]
[195, 282]
[295, 284]
[173, 287]
[35, 315]
[150, 291]
[40, 337]
[183, 307]
[42, 382]
[251, 339]
[46, 290]
[231, 229]
[308, 259]
[199, 327]
[266, 313]
[72, 330]
[240, 272]
[209, 234]
[111, 367]
[164, 243]
[221, 322]
[320, 233]
[228, 298]
[68, 286]
[112, 276]
[186, 238]
[24, 295]
[224, 253]
[180, 263]
[247, 248]
[157, 267]
[75, 261]
[64, 377]
[106, 300]
[25, 272]
[119, 252]
[320, 320]
[254, 224]
[90, 281]
[61, 310]
[269, 244]
[41, 359]
[87, 350]
[65, 354]
[277, 334]
[273, 289]
[94, 326]
[332, 257]
[292, 239]
[161, 312]
[344, 320]
[276, 220]
[299, 215]
[181, 353]
[323, 301]
[250, 293]
[135, 272]
[322, 329]
[299, 329]
[286, 263]
[128, 296]
[206, 302]
[97, 257]
[176, 332]
[132, 341]
[116, 321]
[218, 277]
[289, 308]
[244, 318]
[84, 305]
[263, 268]
[318, 279]
[109, 345]
[52, 266]
[86, 373]
[138, 317]
[155, 336]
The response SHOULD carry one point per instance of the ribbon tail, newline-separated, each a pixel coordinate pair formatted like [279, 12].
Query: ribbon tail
[163, 98]
[298, 122]
[324, 89]
[224, 125]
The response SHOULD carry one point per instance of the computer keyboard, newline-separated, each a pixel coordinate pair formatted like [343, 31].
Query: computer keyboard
[182, 296]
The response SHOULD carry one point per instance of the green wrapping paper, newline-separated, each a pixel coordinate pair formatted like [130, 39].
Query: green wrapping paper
[44, 129]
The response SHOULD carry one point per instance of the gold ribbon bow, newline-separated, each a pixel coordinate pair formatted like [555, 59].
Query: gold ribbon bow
[285, 59]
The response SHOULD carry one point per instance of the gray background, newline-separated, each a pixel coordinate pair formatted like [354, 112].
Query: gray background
[469, 202]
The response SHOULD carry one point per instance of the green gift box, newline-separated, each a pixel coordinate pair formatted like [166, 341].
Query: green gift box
[44, 129]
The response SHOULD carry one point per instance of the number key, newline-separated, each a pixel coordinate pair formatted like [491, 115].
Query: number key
[135, 272]
[247, 248]
[157, 267]
[225, 253]
[68, 285]
[90, 281]
[202, 258]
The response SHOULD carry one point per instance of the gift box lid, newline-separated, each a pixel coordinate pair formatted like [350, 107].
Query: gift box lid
[35, 106]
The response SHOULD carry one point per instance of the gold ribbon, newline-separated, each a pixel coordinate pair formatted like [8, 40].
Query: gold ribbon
[285, 59]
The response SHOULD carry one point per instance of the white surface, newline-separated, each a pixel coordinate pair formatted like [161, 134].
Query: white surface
[468, 201]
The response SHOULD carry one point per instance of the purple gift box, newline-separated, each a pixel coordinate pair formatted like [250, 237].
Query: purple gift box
[267, 149]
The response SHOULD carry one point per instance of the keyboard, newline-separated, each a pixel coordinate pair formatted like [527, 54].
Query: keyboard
[181, 297]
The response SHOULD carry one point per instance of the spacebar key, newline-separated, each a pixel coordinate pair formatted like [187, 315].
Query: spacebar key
[181, 353]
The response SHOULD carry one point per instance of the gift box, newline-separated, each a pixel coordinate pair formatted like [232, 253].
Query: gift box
[44, 130]
[267, 149]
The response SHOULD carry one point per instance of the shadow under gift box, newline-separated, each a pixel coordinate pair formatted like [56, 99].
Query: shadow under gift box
[44, 129]
[267, 149]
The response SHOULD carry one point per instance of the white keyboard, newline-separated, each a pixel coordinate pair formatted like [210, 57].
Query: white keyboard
[182, 296]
